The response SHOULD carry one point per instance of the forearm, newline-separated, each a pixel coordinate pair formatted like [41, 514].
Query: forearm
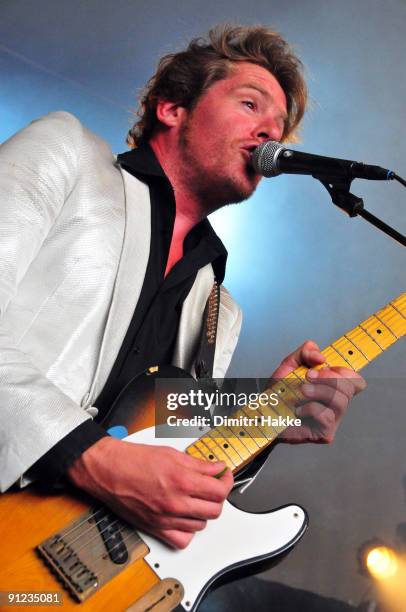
[52, 466]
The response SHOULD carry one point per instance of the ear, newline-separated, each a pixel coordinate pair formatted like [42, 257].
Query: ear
[169, 113]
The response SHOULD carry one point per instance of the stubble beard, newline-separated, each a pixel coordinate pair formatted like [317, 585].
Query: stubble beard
[214, 189]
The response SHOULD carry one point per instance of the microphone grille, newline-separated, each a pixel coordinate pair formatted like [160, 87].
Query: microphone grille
[265, 158]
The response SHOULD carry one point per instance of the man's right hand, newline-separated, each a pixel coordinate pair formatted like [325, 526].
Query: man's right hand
[160, 490]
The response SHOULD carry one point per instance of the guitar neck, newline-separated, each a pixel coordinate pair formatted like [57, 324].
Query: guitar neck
[255, 429]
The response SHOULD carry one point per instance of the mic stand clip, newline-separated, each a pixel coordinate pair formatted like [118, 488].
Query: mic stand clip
[353, 205]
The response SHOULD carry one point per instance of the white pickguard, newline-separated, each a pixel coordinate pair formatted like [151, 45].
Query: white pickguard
[234, 537]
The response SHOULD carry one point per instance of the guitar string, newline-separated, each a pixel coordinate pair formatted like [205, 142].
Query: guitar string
[98, 565]
[85, 520]
[93, 527]
[133, 533]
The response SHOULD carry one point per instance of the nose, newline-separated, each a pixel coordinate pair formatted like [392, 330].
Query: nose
[263, 136]
[271, 130]
[273, 133]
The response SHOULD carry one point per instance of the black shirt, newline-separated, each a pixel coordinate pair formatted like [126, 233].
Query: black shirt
[152, 332]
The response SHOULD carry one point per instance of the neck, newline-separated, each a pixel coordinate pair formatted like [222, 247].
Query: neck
[238, 444]
[190, 207]
[189, 211]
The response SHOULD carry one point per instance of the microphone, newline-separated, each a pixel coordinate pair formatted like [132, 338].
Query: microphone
[271, 158]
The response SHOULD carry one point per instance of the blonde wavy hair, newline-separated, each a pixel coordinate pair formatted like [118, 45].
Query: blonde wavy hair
[184, 76]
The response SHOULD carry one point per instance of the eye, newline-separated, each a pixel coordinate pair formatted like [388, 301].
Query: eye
[250, 104]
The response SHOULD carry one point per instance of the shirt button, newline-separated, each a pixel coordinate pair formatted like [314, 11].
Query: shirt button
[136, 350]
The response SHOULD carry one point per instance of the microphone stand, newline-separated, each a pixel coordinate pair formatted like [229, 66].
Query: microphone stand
[341, 196]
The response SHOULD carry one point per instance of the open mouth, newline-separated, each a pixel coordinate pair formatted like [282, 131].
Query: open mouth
[247, 153]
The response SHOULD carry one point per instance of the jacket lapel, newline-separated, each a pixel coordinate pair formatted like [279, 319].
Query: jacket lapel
[190, 325]
[191, 319]
[130, 276]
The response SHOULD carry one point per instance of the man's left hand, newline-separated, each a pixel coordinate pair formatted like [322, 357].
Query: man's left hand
[327, 392]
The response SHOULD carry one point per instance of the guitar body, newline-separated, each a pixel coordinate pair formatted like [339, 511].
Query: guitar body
[237, 541]
[28, 518]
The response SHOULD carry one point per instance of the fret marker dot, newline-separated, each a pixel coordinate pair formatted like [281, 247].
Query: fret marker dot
[225, 445]
[211, 456]
[241, 433]
[378, 331]
[350, 353]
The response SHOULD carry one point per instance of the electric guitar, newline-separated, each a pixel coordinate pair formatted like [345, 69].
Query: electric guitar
[63, 546]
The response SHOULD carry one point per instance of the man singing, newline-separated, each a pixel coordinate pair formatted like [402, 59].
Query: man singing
[107, 265]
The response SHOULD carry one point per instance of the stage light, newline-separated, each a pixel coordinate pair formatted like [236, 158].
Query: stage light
[381, 562]
[377, 560]
[385, 566]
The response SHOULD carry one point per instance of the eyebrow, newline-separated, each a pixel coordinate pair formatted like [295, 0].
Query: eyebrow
[265, 93]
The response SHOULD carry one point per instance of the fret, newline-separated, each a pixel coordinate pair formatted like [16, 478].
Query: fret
[241, 432]
[218, 451]
[299, 372]
[226, 446]
[400, 304]
[206, 451]
[256, 431]
[347, 337]
[394, 320]
[237, 444]
[287, 392]
[237, 431]
[194, 452]
[295, 386]
[266, 411]
[284, 407]
[377, 330]
[365, 343]
[268, 431]
[355, 359]
[334, 358]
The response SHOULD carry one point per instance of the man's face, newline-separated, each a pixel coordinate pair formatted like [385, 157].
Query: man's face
[228, 122]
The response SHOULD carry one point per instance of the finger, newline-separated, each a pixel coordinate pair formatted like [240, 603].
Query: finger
[330, 396]
[208, 488]
[183, 523]
[357, 380]
[308, 354]
[174, 537]
[202, 510]
[228, 480]
[348, 381]
[210, 468]
[319, 413]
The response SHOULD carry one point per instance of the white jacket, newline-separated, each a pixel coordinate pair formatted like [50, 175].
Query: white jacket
[74, 245]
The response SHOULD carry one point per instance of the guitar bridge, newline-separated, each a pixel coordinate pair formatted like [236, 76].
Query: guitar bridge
[91, 551]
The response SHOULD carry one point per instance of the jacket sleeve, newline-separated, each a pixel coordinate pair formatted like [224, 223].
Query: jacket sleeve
[38, 170]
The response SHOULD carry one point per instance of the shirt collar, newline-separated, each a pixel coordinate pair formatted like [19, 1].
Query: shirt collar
[143, 163]
[142, 160]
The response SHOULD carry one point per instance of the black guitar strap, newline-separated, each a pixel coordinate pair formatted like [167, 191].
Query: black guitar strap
[205, 356]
